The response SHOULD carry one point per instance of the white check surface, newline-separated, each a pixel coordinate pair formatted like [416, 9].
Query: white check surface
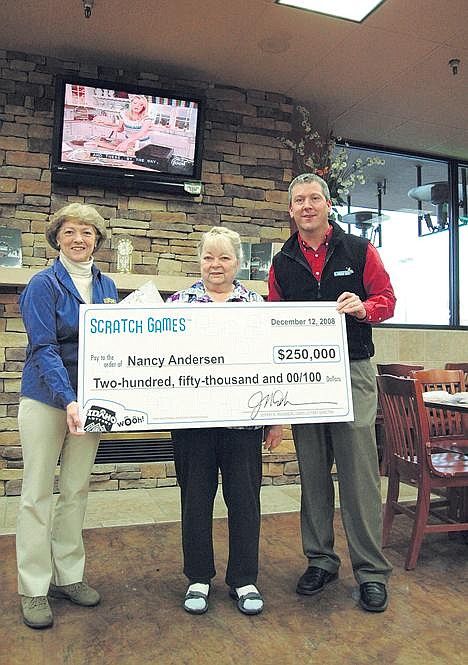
[217, 365]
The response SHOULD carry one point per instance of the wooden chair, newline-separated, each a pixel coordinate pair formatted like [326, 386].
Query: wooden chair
[443, 424]
[394, 369]
[413, 461]
[446, 429]
[397, 369]
[463, 367]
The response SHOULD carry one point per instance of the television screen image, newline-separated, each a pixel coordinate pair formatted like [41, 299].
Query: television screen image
[148, 134]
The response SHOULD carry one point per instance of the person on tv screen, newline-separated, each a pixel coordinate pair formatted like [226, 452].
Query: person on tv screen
[236, 452]
[134, 122]
[49, 544]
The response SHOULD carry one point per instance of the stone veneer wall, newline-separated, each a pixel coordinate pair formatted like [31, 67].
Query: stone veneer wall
[245, 170]
[245, 176]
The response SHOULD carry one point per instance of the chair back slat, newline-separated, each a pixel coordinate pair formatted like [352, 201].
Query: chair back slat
[463, 367]
[442, 422]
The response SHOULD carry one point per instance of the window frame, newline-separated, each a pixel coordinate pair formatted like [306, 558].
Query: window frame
[453, 167]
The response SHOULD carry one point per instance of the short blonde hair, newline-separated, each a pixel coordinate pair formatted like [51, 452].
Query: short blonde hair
[222, 236]
[81, 213]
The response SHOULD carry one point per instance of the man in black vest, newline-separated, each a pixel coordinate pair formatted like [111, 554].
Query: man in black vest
[322, 262]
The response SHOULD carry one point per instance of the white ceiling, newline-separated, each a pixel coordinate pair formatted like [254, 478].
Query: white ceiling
[386, 81]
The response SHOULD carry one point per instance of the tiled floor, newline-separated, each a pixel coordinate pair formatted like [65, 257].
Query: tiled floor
[150, 506]
[140, 621]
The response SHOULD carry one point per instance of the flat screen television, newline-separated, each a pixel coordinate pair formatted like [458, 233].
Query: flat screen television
[126, 136]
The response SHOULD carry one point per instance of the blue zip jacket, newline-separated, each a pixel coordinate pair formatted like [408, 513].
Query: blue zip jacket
[50, 306]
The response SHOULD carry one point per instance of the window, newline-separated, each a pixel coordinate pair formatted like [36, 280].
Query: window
[463, 243]
[405, 210]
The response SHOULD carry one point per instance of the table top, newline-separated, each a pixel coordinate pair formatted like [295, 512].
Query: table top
[459, 407]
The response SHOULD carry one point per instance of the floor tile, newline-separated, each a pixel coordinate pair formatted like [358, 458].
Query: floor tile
[162, 504]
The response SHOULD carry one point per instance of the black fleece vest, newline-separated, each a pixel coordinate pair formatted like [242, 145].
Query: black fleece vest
[343, 271]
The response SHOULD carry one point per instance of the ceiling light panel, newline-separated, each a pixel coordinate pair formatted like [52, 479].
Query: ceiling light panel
[357, 10]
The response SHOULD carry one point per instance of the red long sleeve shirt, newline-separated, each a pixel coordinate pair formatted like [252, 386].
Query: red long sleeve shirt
[380, 301]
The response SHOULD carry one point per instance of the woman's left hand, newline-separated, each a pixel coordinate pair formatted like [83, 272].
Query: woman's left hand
[73, 419]
[273, 436]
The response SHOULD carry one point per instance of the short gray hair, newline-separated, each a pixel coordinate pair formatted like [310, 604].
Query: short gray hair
[308, 177]
[222, 235]
[81, 213]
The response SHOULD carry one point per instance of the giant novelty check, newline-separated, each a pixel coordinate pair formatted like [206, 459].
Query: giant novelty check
[218, 365]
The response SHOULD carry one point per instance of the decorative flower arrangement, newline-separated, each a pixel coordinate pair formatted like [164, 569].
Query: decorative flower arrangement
[316, 154]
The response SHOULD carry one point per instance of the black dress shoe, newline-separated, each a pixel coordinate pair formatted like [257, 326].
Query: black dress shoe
[314, 580]
[373, 596]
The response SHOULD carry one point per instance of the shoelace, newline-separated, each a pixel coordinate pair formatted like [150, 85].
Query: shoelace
[38, 602]
[373, 590]
[76, 586]
[317, 574]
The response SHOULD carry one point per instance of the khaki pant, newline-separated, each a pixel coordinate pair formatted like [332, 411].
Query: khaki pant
[49, 543]
[352, 445]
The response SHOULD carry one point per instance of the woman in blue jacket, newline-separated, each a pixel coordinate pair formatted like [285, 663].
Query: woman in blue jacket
[49, 544]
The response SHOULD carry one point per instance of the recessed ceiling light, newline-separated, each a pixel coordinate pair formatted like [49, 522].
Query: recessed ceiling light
[357, 10]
